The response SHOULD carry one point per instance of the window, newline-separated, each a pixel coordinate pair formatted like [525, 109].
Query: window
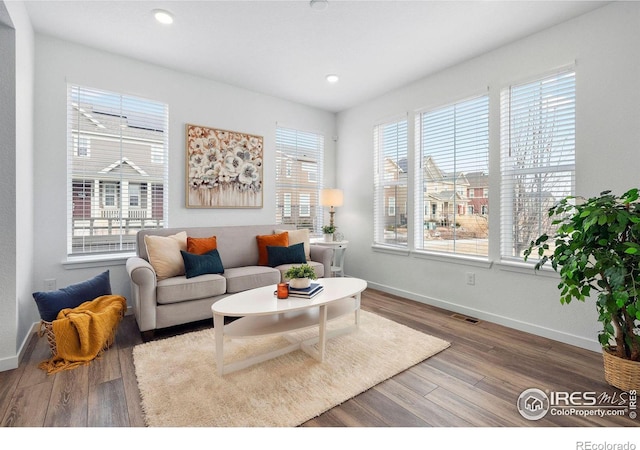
[117, 147]
[305, 205]
[110, 194]
[82, 146]
[299, 175]
[537, 157]
[390, 183]
[392, 207]
[287, 204]
[134, 195]
[452, 160]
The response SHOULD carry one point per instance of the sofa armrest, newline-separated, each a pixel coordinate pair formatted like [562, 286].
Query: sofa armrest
[143, 289]
[322, 255]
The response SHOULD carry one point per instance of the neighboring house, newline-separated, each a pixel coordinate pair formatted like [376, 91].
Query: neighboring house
[444, 194]
[478, 193]
[395, 193]
[118, 179]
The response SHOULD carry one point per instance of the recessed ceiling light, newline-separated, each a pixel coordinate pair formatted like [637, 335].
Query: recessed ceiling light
[332, 78]
[319, 5]
[162, 16]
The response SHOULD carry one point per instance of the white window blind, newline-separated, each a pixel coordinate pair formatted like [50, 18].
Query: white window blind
[390, 183]
[116, 169]
[537, 157]
[299, 175]
[452, 161]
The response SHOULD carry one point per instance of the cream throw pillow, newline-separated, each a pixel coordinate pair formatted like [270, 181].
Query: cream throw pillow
[297, 236]
[164, 254]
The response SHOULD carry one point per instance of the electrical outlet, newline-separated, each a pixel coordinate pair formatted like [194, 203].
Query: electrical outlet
[471, 278]
[50, 284]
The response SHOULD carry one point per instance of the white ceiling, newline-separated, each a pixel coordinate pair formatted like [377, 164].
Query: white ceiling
[286, 48]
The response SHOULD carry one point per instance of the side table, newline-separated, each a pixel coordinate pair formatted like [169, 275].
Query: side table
[339, 249]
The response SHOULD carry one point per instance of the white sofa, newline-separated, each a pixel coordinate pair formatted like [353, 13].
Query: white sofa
[176, 300]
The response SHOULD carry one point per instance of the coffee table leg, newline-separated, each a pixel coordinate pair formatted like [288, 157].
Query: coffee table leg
[322, 332]
[218, 328]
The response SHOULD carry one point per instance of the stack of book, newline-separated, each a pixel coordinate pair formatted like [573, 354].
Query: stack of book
[309, 292]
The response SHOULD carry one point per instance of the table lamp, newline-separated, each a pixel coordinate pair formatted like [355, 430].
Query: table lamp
[331, 198]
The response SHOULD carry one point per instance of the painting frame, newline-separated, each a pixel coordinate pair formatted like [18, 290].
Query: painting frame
[224, 169]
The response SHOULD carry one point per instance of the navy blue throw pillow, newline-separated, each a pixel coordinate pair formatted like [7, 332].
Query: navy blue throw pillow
[196, 265]
[50, 303]
[293, 254]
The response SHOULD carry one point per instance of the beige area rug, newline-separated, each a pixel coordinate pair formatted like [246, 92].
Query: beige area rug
[180, 387]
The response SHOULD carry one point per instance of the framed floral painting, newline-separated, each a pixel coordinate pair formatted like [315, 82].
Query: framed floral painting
[224, 168]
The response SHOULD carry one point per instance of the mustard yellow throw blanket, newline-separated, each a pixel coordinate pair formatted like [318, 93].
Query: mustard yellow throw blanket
[84, 332]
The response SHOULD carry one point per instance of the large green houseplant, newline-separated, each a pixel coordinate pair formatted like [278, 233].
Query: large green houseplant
[597, 248]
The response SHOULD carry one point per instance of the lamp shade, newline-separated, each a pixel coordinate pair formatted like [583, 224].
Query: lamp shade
[331, 197]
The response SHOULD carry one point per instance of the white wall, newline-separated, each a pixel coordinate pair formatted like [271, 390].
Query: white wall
[191, 100]
[8, 309]
[16, 181]
[604, 46]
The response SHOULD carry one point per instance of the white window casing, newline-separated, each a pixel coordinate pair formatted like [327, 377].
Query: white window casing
[390, 183]
[537, 157]
[116, 169]
[299, 175]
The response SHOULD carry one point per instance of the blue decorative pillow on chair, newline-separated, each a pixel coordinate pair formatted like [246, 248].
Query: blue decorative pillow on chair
[195, 265]
[293, 254]
[50, 303]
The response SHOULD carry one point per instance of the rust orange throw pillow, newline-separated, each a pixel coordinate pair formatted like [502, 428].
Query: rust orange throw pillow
[273, 240]
[200, 246]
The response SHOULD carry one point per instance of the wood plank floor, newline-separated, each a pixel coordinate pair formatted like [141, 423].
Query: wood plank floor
[474, 383]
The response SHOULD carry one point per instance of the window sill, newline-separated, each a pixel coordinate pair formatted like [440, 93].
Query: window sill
[83, 262]
[526, 268]
[403, 251]
[454, 259]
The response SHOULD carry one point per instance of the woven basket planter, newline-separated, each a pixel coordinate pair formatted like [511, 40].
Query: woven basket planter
[621, 373]
[46, 329]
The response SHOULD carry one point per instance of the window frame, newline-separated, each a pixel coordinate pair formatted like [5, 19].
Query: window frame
[397, 145]
[125, 133]
[508, 159]
[298, 152]
[481, 105]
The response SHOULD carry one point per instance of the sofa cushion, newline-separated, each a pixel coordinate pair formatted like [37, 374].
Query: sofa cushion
[294, 254]
[182, 289]
[164, 254]
[281, 240]
[196, 265]
[317, 267]
[50, 303]
[297, 236]
[200, 246]
[243, 278]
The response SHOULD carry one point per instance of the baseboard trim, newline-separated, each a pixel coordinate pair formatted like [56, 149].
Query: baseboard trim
[8, 363]
[549, 333]
[12, 362]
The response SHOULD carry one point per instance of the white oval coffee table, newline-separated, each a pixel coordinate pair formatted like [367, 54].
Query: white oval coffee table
[262, 314]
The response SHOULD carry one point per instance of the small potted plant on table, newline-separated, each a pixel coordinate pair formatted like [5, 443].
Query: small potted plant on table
[328, 231]
[597, 248]
[300, 276]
